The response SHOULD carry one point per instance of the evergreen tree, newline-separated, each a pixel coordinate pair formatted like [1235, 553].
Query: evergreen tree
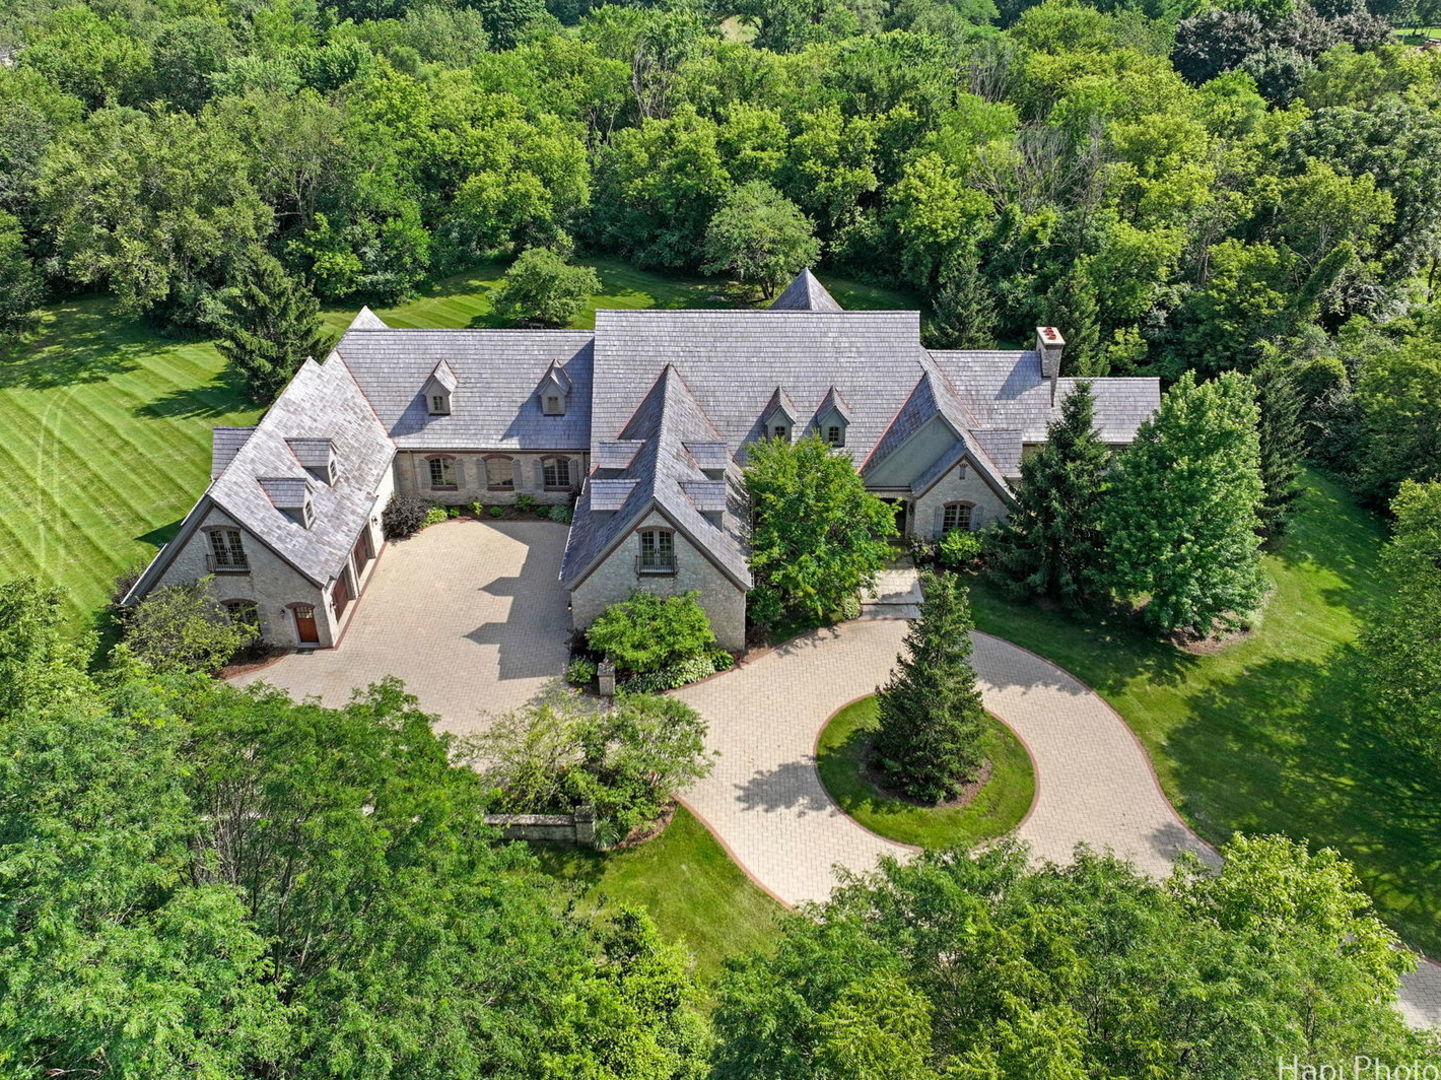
[1051, 544]
[1181, 519]
[1071, 306]
[965, 313]
[931, 719]
[272, 325]
[1281, 444]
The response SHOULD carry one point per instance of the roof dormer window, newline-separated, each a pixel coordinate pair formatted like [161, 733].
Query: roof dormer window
[552, 405]
[554, 391]
[438, 390]
[836, 434]
[439, 404]
[832, 418]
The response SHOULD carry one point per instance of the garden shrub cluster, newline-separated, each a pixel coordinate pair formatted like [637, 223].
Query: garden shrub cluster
[650, 633]
[626, 759]
[403, 516]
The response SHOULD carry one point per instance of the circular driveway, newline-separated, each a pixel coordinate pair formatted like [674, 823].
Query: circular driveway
[1094, 782]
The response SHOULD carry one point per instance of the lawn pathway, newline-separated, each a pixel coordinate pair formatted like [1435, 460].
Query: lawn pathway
[1094, 783]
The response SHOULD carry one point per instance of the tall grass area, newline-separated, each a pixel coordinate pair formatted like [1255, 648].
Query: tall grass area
[105, 422]
[1269, 734]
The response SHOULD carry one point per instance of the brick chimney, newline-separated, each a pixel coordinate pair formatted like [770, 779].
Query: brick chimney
[1049, 346]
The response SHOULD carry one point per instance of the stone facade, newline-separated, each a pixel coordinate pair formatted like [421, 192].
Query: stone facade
[469, 470]
[962, 484]
[617, 576]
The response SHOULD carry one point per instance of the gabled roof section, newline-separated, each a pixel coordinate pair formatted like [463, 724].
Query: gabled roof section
[781, 404]
[225, 443]
[1006, 391]
[664, 476]
[834, 402]
[264, 477]
[444, 376]
[805, 293]
[312, 453]
[366, 319]
[500, 369]
[556, 376]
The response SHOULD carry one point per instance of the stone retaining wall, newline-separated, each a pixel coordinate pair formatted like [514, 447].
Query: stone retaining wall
[576, 828]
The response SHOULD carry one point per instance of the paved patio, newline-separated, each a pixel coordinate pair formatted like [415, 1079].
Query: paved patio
[470, 614]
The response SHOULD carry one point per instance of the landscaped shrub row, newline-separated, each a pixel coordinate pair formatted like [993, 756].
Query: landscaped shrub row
[653, 682]
[656, 643]
[406, 515]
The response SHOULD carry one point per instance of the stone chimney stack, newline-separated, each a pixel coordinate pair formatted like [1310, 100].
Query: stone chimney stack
[1049, 346]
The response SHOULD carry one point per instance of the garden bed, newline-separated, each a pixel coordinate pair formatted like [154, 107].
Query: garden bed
[994, 804]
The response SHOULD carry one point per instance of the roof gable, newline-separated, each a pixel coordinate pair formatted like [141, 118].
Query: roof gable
[805, 293]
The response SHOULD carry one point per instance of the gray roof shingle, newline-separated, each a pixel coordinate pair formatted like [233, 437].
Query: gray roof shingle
[494, 406]
[225, 443]
[805, 293]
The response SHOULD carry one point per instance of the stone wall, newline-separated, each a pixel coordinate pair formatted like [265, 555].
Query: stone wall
[961, 484]
[617, 577]
[412, 477]
[577, 828]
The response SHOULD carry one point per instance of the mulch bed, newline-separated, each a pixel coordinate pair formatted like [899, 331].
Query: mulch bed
[650, 830]
[874, 775]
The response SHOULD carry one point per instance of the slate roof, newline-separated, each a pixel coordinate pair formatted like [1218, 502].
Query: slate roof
[321, 402]
[732, 361]
[1006, 392]
[664, 477]
[495, 404]
[805, 293]
[225, 443]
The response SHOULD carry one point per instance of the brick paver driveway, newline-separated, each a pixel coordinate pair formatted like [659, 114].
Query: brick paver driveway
[765, 801]
[470, 614]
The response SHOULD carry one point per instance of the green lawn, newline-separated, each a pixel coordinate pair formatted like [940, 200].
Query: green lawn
[1264, 736]
[105, 423]
[697, 896]
[996, 809]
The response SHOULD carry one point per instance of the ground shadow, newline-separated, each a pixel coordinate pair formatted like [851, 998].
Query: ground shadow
[163, 535]
[791, 786]
[86, 342]
[221, 396]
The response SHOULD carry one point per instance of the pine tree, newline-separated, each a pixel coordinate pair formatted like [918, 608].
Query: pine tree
[1281, 444]
[1072, 308]
[931, 718]
[1181, 518]
[965, 313]
[271, 326]
[1051, 543]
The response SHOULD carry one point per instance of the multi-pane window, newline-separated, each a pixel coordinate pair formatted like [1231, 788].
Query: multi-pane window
[556, 472]
[499, 473]
[442, 472]
[227, 552]
[243, 613]
[780, 431]
[836, 435]
[657, 551]
[956, 516]
[439, 406]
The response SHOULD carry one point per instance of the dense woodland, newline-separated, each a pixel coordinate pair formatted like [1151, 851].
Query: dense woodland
[1175, 187]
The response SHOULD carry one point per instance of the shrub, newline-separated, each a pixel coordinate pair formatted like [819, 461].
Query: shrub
[434, 515]
[525, 503]
[581, 671]
[722, 660]
[650, 633]
[186, 627]
[541, 288]
[653, 682]
[626, 761]
[958, 549]
[496, 511]
[477, 508]
[561, 514]
[403, 516]
[453, 511]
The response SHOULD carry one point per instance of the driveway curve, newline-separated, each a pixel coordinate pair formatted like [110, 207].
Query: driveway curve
[1094, 782]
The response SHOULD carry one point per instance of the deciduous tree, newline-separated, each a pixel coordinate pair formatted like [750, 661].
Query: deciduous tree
[760, 237]
[818, 535]
[186, 627]
[1181, 520]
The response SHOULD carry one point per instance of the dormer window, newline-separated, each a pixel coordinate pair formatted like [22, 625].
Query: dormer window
[781, 432]
[554, 391]
[439, 388]
[832, 418]
[836, 434]
[317, 457]
[553, 405]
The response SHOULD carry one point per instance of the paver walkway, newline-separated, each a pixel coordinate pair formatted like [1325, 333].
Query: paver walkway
[471, 614]
[1094, 782]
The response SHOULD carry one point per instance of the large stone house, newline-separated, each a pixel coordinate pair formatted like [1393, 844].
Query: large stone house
[644, 423]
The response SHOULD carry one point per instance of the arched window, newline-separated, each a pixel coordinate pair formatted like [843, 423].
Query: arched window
[499, 473]
[555, 473]
[956, 515]
[243, 613]
[657, 552]
[442, 473]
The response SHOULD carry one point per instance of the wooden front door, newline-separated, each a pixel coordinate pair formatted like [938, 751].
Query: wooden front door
[305, 627]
